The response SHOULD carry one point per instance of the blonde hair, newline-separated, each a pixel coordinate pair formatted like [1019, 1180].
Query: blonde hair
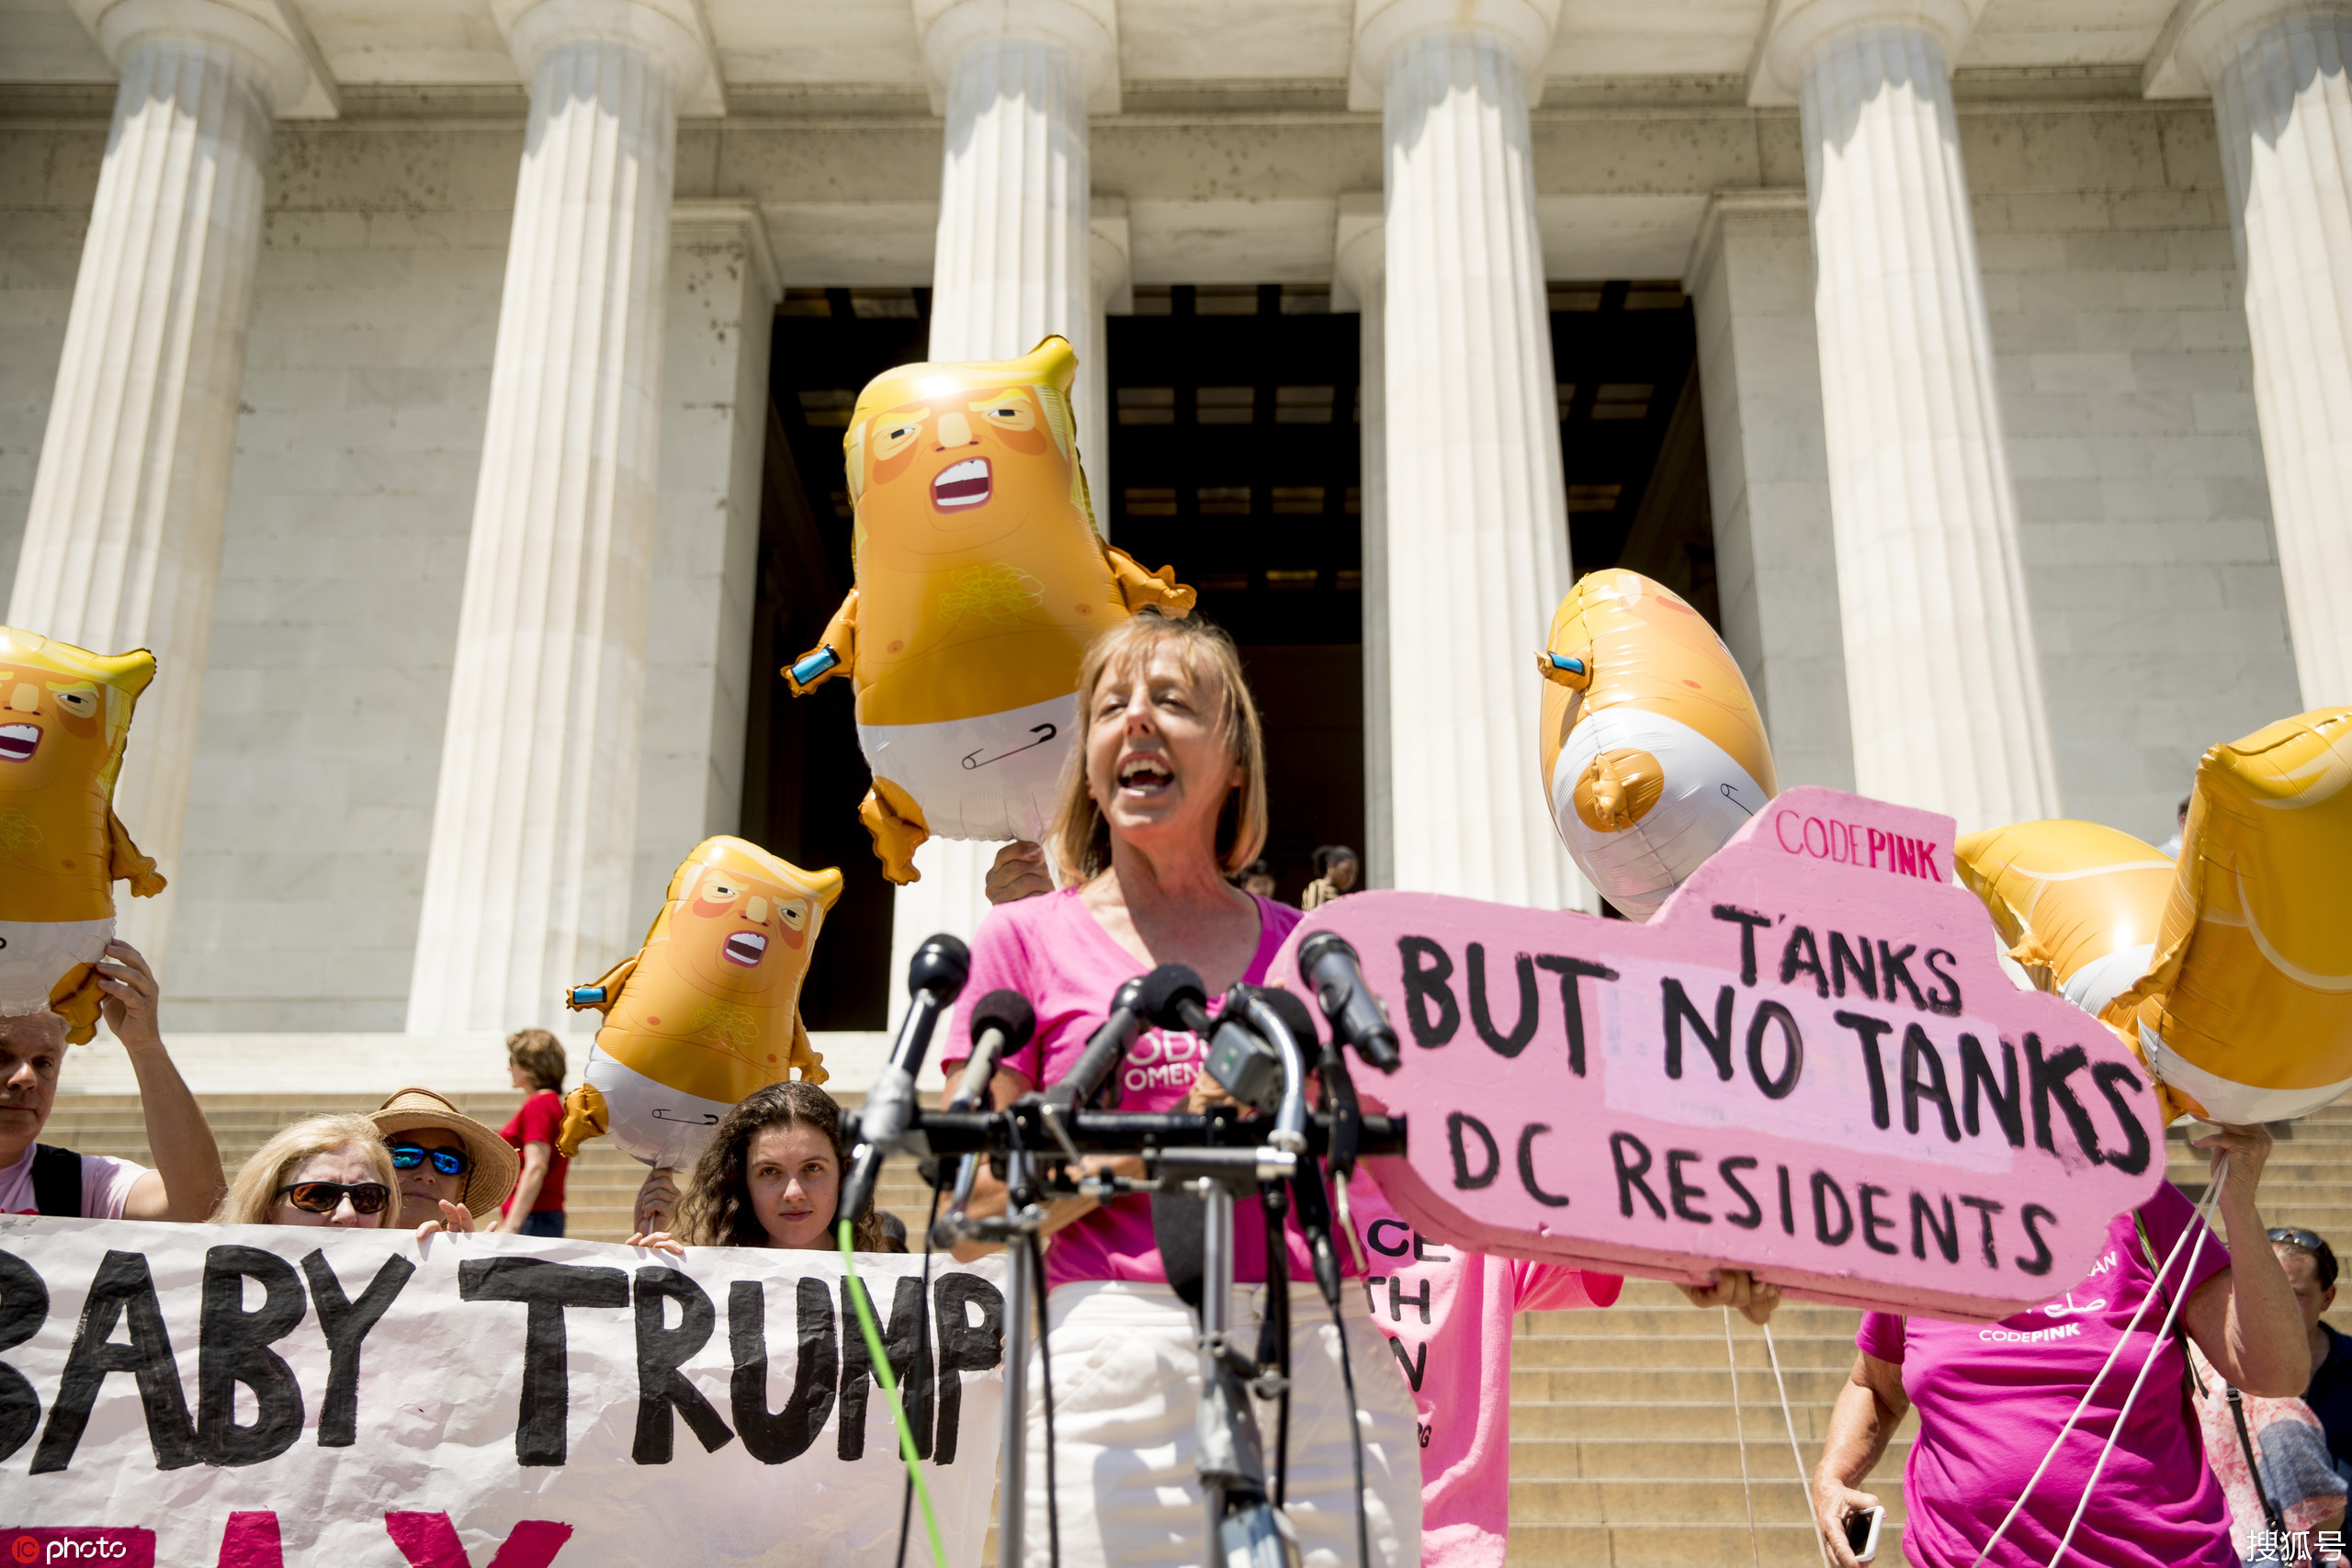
[1079, 837]
[254, 1192]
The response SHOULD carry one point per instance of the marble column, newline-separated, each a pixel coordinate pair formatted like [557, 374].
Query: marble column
[1477, 556]
[2282, 77]
[1115, 295]
[1360, 279]
[527, 885]
[1941, 679]
[122, 540]
[1015, 262]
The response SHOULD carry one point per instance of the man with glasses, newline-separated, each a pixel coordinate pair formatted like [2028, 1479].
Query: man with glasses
[2310, 1264]
[453, 1169]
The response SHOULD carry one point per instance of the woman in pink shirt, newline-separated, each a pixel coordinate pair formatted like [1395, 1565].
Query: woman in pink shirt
[1991, 1398]
[1165, 800]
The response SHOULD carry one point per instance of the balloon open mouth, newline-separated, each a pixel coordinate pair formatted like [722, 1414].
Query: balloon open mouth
[746, 947]
[19, 742]
[960, 485]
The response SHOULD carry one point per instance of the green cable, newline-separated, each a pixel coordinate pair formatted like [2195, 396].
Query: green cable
[854, 1288]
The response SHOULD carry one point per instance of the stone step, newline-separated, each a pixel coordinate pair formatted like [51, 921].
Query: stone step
[1703, 1456]
[1658, 1541]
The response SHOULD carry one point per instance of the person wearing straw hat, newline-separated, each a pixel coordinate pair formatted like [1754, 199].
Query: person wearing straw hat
[453, 1169]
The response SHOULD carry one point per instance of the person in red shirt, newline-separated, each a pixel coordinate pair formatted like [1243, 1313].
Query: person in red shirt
[535, 1057]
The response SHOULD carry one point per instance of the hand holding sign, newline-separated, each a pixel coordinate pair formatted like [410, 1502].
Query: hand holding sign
[1808, 1065]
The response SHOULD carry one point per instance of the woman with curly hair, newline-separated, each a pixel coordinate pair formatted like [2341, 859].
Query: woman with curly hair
[771, 1177]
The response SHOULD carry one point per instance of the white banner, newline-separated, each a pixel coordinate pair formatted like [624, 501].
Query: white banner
[274, 1397]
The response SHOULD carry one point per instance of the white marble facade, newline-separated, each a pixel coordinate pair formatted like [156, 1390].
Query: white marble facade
[2131, 398]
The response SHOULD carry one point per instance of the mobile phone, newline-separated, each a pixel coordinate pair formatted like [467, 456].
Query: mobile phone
[1862, 1531]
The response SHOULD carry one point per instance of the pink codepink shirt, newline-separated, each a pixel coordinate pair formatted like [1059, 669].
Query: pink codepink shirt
[1991, 1399]
[1448, 1313]
[1055, 953]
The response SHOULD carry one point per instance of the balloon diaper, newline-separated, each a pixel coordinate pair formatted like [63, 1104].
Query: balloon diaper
[981, 579]
[1653, 752]
[707, 1010]
[64, 717]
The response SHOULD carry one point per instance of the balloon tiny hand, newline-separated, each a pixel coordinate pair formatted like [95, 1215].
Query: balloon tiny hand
[1019, 872]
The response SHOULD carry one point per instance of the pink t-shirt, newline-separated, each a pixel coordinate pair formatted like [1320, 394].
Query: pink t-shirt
[1991, 1400]
[1448, 1317]
[106, 1186]
[1052, 952]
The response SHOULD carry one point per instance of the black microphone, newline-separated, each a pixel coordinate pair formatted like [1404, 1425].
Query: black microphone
[934, 980]
[1331, 966]
[1002, 1022]
[1141, 1000]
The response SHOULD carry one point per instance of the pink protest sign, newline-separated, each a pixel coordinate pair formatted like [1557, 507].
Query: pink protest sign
[1810, 1063]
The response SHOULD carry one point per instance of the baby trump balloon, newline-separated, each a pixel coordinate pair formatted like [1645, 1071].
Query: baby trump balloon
[981, 579]
[64, 716]
[707, 1010]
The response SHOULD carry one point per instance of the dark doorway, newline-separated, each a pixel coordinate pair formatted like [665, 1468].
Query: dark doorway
[1233, 458]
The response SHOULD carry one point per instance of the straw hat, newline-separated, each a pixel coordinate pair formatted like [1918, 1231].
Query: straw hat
[496, 1165]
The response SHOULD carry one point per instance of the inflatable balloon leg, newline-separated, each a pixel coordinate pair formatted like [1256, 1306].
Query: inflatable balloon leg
[707, 1010]
[2078, 903]
[981, 579]
[2246, 1011]
[1653, 752]
[64, 715]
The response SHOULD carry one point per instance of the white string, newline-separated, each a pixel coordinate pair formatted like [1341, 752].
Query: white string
[2084, 1403]
[1740, 1426]
[1804, 1482]
[2179, 1298]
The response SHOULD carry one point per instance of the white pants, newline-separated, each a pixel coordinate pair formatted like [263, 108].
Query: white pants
[1126, 1384]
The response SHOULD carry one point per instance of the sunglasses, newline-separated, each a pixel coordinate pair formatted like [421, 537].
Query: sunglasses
[323, 1197]
[448, 1162]
[2294, 1236]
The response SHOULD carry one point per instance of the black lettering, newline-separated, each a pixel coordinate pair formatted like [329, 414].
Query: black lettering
[1749, 922]
[1755, 1214]
[1424, 1253]
[1825, 1187]
[1398, 1300]
[1923, 1078]
[1530, 1008]
[1867, 1030]
[1372, 1238]
[1629, 1177]
[2039, 1264]
[1802, 956]
[1717, 1041]
[548, 1289]
[233, 1348]
[1892, 970]
[1465, 1180]
[1427, 969]
[1923, 1220]
[1975, 1073]
[1781, 1085]
[1682, 1192]
[859, 1377]
[1874, 1221]
[964, 1347]
[121, 1288]
[24, 1307]
[1985, 1208]
[345, 1322]
[1788, 1209]
[1527, 1167]
[1937, 1001]
[2049, 1080]
[661, 1389]
[774, 1437]
[1571, 970]
[1414, 1367]
[2110, 1077]
[1842, 961]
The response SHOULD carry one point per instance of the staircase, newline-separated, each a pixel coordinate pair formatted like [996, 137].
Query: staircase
[1624, 1450]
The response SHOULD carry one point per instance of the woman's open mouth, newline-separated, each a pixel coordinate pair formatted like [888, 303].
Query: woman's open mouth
[960, 485]
[746, 947]
[19, 742]
[1145, 775]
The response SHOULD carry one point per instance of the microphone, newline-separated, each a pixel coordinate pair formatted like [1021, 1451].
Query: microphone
[1002, 1022]
[934, 980]
[1144, 1000]
[1331, 966]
